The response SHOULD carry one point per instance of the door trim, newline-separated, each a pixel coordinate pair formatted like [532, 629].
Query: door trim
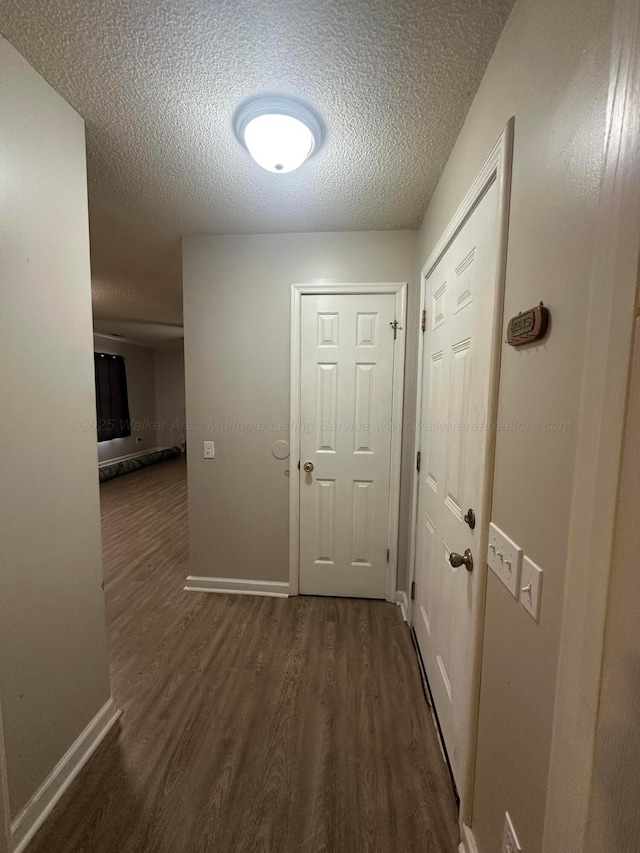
[5, 812]
[496, 170]
[612, 301]
[297, 292]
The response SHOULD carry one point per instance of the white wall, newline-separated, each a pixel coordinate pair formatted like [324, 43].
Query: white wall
[237, 292]
[54, 674]
[141, 390]
[169, 400]
[550, 69]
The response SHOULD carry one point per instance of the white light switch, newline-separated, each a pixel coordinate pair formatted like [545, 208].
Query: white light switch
[531, 588]
[504, 558]
[209, 452]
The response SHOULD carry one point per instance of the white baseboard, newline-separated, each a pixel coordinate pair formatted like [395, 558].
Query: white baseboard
[468, 844]
[41, 804]
[403, 602]
[278, 589]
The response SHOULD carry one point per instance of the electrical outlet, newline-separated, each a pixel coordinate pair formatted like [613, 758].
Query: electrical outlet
[510, 843]
[504, 558]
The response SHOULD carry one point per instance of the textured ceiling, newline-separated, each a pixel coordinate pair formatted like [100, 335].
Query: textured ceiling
[158, 80]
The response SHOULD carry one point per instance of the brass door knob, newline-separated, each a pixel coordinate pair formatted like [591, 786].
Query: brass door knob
[308, 467]
[465, 560]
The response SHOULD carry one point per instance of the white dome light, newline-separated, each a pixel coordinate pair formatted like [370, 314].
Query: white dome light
[279, 133]
[278, 143]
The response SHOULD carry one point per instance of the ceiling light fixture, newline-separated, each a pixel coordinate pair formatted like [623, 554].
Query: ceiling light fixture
[279, 132]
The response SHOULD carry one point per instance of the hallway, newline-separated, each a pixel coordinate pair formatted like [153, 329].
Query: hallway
[249, 724]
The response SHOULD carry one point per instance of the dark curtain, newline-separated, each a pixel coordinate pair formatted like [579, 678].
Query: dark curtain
[112, 402]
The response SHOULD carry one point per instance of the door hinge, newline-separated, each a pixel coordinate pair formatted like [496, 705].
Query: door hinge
[413, 590]
[418, 458]
[423, 324]
[388, 554]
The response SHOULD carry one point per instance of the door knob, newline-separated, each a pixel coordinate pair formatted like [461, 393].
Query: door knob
[308, 467]
[465, 560]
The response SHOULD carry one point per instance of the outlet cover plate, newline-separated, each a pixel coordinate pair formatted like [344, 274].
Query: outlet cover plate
[510, 843]
[504, 558]
[531, 588]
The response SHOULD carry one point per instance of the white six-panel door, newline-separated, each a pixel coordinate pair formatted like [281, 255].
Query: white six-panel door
[346, 393]
[461, 297]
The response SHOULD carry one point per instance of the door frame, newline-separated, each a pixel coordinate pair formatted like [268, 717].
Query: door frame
[495, 170]
[612, 304]
[5, 813]
[399, 289]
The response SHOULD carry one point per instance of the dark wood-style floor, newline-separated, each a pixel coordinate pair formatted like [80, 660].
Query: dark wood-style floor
[250, 725]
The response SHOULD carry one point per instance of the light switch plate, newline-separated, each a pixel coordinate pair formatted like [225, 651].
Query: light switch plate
[531, 588]
[209, 451]
[504, 558]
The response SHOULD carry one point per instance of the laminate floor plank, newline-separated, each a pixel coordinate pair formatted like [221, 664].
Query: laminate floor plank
[250, 724]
